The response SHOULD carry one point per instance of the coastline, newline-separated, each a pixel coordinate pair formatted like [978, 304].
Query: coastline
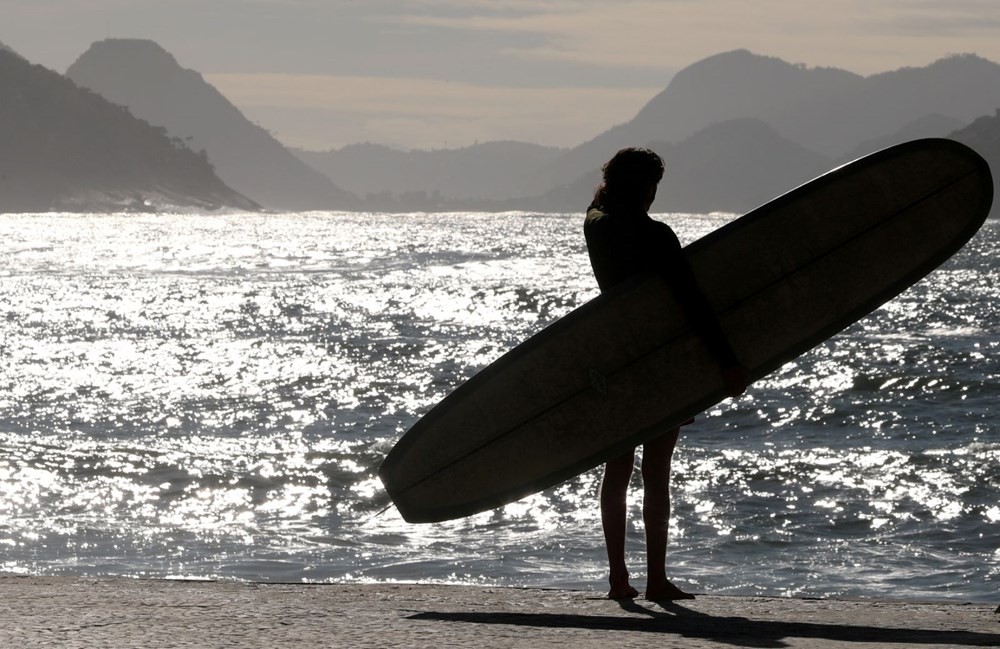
[122, 612]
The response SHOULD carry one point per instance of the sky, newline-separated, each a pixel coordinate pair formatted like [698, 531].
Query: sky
[432, 74]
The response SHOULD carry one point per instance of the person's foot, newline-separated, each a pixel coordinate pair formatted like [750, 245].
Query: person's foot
[665, 591]
[620, 588]
[623, 591]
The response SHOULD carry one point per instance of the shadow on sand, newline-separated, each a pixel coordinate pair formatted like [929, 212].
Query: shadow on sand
[738, 631]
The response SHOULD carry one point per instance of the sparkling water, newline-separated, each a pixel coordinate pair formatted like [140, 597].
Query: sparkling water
[210, 397]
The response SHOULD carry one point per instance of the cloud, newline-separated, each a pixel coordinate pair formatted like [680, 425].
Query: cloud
[514, 42]
[864, 36]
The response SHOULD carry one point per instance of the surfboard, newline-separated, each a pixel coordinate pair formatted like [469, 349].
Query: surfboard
[627, 366]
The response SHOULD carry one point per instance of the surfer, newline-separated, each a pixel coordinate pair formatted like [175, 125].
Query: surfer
[623, 241]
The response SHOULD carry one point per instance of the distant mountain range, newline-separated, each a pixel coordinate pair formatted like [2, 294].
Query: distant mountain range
[490, 171]
[142, 76]
[735, 129]
[829, 111]
[65, 148]
[983, 135]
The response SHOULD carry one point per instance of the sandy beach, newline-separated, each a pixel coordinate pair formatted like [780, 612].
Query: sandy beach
[78, 612]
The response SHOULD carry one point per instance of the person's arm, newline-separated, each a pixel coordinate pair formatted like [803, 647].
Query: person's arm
[673, 265]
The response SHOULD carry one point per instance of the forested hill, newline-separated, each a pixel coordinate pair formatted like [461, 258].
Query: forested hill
[148, 80]
[66, 148]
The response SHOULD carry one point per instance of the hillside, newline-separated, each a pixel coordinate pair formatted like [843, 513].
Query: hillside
[817, 114]
[63, 148]
[736, 128]
[5, 48]
[490, 171]
[830, 111]
[983, 135]
[142, 76]
[732, 166]
[929, 126]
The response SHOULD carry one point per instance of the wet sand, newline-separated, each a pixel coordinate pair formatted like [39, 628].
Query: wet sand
[154, 614]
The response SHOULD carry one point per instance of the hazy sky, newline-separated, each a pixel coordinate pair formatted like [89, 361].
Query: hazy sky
[447, 73]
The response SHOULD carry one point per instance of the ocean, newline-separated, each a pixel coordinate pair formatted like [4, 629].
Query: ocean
[209, 397]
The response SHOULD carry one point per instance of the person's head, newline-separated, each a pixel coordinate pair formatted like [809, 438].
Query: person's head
[630, 179]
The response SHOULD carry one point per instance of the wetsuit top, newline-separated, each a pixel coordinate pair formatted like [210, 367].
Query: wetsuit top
[628, 243]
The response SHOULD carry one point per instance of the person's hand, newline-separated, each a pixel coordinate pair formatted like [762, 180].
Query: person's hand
[735, 378]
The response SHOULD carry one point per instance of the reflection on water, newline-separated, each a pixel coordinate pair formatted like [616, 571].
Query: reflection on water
[210, 396]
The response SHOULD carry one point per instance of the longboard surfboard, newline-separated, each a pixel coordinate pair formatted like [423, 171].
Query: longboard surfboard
[627, 366]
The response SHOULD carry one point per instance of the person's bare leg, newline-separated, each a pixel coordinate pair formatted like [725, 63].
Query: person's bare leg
[614, 489]
[656, 456]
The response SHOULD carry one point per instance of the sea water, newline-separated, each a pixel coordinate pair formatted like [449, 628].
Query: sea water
[210, 397]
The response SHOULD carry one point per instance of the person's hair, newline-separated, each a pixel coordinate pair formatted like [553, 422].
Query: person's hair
[628, 175]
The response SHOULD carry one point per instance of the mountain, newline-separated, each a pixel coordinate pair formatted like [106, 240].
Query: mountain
[732, 166]
[63, 148]
[5, 48]
[827, 110]
[142, 76]
[929, 126]
[490, 171]
[983, 135]
[960, 87]
[814, 115]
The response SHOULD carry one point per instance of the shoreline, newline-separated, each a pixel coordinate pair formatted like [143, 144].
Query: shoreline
[124, 612]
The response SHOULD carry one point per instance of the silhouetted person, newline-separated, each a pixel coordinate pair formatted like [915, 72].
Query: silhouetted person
[624, 241]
